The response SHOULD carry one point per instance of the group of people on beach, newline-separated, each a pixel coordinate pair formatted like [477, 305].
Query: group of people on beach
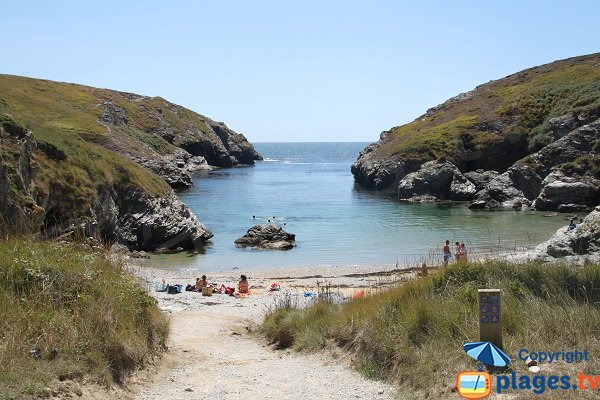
[460, 252]
[243, 286]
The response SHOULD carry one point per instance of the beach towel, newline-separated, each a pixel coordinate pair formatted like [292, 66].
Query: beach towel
[275, 287]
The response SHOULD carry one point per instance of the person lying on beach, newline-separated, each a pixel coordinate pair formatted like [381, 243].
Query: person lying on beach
[243, 286]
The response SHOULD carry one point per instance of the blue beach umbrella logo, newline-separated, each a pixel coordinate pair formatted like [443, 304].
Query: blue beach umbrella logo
[486, 353]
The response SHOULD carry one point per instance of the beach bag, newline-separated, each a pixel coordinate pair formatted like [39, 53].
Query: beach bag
[171, 289]
[207, 291]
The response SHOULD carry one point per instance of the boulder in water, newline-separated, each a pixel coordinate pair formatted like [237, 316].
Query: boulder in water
[267, 236]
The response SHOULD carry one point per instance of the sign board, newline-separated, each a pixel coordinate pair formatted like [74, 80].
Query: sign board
[490, 324]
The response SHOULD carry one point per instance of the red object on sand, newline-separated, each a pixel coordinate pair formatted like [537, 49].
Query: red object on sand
[359, 294]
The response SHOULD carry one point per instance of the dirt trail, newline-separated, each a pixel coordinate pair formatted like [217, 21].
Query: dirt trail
[212, 354]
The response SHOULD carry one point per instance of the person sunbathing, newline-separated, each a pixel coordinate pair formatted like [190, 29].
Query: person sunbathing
[243, 286]
[201, 282]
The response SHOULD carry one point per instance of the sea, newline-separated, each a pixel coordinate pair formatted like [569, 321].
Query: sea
[308, 189]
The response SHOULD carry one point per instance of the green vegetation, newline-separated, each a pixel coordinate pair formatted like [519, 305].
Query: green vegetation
[439, 140]
[515, 111]
[573, 89]
[65, 117]
[412, 335]
[70, 298]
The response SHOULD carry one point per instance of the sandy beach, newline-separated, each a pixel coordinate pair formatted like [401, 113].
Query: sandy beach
[215, 352]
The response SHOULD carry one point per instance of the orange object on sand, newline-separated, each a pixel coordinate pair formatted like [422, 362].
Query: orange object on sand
[359, 294]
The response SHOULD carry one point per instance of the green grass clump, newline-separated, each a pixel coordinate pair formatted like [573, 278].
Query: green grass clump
[67, 297]
[413, 335]
[438, 141]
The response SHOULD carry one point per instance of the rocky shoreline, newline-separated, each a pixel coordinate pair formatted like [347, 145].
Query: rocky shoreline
[540, 181]
[577, 246]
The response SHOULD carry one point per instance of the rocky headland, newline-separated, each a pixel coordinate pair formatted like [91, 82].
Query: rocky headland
[529, 140]
[77, 160]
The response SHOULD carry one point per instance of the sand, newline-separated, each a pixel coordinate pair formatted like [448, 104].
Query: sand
[214, 352]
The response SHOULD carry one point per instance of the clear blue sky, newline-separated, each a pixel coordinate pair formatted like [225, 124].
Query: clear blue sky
[293, 71]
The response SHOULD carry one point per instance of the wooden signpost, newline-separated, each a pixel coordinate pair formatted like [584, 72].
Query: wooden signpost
[490, 323]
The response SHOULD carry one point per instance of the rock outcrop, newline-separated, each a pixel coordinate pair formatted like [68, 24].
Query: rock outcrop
[157, 224]
[480, 178]
[567, 194]
[575, 246]
[372, 171]
[267, 236]
[436, 180]
[538, 178]
[172, 141]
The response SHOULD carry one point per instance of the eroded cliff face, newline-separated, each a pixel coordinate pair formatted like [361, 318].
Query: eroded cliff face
[76, 160]
[171, 141]
[124, 215]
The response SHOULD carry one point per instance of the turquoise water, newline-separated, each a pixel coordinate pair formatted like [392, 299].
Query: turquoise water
[309, 187]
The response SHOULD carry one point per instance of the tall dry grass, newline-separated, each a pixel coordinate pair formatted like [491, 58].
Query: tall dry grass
[74, 308]
[413, 335]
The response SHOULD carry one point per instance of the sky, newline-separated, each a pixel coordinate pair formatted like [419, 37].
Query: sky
[284, 71]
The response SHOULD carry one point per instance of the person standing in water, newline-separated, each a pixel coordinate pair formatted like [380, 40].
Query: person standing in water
[457, 251]
[447, 254]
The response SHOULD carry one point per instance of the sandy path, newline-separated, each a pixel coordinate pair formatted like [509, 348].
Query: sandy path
[212, 354]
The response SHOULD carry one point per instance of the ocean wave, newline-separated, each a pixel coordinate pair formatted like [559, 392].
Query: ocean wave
[267, 159]
[310, 163]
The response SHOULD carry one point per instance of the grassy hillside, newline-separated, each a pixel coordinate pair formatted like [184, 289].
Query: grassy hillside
[89, 141]
[412, 335]
[509, 116]
[68, 298]
[64, 119]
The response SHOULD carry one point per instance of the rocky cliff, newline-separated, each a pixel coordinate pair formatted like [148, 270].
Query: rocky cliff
[81, 160]
[529, 139]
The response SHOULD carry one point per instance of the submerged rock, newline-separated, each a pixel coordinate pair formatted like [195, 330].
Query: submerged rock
[267, 236]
